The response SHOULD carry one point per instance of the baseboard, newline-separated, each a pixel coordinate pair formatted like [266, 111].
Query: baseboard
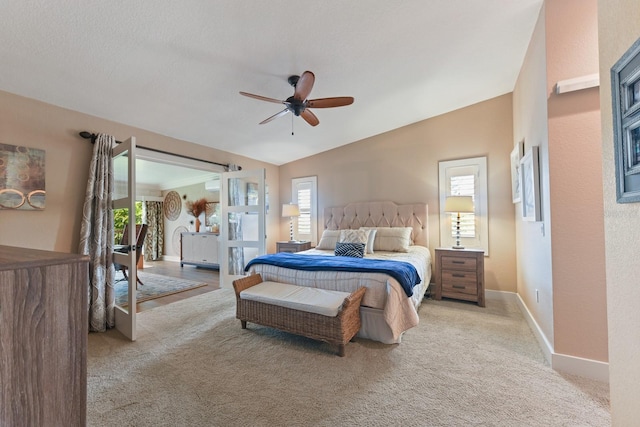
[500, 295]
[586, 368]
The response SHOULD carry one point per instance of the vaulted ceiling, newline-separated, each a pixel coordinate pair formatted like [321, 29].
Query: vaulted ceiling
[176, 68]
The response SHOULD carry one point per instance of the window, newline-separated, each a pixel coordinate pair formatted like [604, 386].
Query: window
[304, 193]
[465, 177]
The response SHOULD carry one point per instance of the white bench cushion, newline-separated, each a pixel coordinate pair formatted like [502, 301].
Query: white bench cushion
[303, 298]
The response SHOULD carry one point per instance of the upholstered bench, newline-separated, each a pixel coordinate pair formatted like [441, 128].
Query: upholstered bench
[320, 314]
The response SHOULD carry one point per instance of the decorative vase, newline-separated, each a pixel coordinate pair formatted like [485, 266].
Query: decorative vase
[197, 225]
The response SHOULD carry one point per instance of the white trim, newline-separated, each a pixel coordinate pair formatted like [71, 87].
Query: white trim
[545, 345]
[578, 83]
[500, 296]
[587, 368]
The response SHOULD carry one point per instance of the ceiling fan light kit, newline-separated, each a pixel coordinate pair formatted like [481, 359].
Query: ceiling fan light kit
[298, 104]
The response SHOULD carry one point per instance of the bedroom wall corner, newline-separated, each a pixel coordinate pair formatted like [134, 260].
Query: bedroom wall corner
[36, 124]
[402, 166]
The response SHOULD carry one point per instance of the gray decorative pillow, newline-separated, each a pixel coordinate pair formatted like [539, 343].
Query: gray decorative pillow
[355, 250]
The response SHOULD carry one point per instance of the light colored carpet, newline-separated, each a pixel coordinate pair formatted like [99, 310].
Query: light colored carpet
[155, 286]
[462, 366]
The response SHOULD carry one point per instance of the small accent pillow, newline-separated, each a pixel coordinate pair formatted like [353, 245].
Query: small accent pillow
[355, 236]
[328, 240]
[355, 250]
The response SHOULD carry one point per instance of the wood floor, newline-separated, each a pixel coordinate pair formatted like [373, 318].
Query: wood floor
[188, 272]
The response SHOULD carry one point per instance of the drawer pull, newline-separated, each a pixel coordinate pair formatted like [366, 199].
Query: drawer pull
[457, 262]
[458, 286]
[458, 275]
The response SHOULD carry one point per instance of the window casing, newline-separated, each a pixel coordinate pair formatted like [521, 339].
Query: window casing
[465, 177]
[304, 194]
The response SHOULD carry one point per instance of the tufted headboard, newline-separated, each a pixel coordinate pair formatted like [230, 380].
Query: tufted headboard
[380, 214]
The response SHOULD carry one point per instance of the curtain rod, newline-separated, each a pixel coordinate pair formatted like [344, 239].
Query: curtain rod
[93, 136]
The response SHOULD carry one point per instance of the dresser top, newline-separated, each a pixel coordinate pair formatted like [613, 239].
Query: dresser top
[12, 257]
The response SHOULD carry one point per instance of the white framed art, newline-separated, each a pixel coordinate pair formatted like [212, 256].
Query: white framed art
[530, 185]
[516, 156]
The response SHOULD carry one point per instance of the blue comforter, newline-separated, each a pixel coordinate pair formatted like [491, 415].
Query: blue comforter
[405, 273]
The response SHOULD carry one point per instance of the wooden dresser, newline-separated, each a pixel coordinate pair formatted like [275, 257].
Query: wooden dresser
[460, 274]
[43, 338]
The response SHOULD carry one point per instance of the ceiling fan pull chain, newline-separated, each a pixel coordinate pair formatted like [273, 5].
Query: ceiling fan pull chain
[292, 125]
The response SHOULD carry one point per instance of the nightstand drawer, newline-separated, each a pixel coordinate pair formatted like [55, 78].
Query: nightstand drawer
[458, 263]
[460, 278]
[459, 288]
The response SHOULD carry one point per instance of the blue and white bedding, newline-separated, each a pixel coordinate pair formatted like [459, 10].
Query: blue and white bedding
[384, 293]
[404, 272]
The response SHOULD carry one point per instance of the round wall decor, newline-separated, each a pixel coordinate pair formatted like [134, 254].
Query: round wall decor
[172, 205]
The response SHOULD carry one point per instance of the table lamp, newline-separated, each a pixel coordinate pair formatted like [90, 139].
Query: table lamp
[458, 205]
[290, 210]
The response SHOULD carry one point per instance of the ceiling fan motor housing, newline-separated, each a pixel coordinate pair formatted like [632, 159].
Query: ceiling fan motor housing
[295, 106]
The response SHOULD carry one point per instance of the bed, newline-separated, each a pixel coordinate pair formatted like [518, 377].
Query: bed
[388, 308]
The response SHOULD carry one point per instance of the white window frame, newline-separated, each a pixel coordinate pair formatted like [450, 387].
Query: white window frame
[449, 168]
[312, 183]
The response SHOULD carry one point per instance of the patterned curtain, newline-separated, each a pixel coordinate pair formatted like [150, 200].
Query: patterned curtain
[154, 242]
[96, 235]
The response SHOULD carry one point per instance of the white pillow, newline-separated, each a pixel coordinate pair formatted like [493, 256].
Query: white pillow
[328, 240]
[391, 239]
[370, 240]
[355, 236]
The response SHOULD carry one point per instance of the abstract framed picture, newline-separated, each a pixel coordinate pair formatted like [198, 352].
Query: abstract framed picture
[516, 156]
[530, 185]
[22, 177]
[625, 94]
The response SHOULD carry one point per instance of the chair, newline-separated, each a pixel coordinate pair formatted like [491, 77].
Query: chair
[141, 232]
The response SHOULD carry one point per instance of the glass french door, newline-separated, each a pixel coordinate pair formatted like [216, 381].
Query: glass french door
[124, 197]
[243, 229]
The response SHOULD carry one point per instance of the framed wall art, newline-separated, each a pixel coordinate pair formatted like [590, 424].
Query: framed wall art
[530, 185]
[625, 94]
[22, 177]
[516, 156]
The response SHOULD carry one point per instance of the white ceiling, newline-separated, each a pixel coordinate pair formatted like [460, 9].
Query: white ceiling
[176, 68]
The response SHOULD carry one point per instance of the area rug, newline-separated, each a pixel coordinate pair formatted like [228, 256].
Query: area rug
[155, 286]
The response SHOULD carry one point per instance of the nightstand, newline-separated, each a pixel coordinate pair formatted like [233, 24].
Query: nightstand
[460, 274]
[292, 247]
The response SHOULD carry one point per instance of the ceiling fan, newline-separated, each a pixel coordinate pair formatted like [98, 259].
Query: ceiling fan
[298, 104]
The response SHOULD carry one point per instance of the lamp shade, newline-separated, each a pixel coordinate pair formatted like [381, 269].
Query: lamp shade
[290, 210]
[458, 204]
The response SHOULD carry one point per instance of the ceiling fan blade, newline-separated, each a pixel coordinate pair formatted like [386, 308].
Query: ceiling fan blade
[304, 86]
[339, 101]
[262, 98]
[275, 116]
[309, 117]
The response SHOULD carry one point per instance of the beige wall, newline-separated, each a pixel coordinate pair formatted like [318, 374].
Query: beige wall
[35, 124]
[575, 179]
[562, 257]
[618, 30]
[402, 166]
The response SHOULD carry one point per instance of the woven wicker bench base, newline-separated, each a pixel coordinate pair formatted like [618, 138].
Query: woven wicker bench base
[337, 330]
